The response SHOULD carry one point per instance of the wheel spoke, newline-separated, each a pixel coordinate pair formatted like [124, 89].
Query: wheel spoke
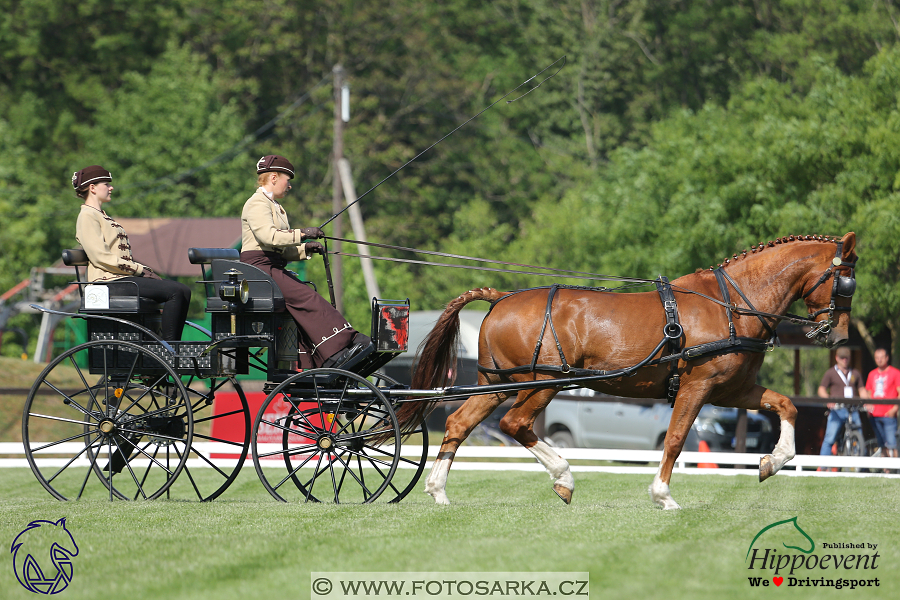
[149, 464]
[294, 472]
[220, 440]
[142, 433]
[290, 451]
[89, 389]
[206, 460]
[73, 459]
[219, 416]
[349, 469]
[69, 439]
[130, 470]
[309, 484]
[191, 477]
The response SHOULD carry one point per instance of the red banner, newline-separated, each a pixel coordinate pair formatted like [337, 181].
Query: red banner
[231, 427]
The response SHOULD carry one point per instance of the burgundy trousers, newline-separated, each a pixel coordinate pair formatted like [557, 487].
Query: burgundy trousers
[323, 330]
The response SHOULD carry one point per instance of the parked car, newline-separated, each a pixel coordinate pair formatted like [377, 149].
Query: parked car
[573, 423]
[717, 426]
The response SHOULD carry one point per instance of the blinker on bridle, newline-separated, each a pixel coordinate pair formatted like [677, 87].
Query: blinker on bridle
[843, 286]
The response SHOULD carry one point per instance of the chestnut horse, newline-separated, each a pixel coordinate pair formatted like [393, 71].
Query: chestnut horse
[605, 331]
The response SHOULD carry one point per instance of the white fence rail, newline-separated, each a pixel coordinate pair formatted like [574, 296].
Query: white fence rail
[508, 458]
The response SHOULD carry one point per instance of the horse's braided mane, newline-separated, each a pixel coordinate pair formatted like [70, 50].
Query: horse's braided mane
[772, 244]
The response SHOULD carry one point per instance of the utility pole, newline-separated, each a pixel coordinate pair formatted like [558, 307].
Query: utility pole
[337, 192]
[359, 230]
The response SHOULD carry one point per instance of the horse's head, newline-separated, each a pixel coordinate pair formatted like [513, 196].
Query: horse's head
[828, 291]
[785, 531]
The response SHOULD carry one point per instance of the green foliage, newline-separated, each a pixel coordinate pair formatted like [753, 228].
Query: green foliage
[770, 163]
[678, 132]
[170, 162]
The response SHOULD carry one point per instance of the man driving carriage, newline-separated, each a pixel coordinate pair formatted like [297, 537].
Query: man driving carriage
[268, 242]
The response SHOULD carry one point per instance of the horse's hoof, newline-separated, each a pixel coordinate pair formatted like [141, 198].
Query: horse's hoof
[766, 467]
[564, 493]
[659, 493]
[440, 496]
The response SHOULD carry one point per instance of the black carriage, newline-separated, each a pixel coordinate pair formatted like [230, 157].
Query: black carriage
[129, 416]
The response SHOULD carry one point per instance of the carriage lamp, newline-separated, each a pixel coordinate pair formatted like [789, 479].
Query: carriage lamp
[234, 292]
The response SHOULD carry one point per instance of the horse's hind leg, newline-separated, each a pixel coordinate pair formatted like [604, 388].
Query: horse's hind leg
[519, 422]
[459, 425]
[687, 407]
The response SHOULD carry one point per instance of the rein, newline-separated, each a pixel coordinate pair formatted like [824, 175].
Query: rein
[553, 272]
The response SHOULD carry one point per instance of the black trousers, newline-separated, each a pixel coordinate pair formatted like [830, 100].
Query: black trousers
[175, 295]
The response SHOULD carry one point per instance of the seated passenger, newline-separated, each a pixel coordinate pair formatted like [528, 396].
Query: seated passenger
[268, 242]
[106, 245]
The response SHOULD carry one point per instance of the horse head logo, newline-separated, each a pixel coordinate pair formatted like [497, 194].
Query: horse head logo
[35, 570]
[788, 532]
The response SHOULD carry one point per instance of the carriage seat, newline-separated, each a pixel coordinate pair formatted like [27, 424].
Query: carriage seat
[265, 295]
[123, 295]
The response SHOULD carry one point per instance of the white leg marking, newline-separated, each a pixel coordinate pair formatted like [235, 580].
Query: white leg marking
[563, 482]
[436, 484]
[784, 451]
[659, 491]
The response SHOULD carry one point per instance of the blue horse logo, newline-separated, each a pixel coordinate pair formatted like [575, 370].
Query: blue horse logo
[30, 551]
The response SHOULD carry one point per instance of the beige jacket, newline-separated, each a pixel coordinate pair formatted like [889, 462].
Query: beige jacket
[106, 245]
[264, 226]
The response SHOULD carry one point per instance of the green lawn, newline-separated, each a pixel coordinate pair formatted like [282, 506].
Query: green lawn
[245, 545]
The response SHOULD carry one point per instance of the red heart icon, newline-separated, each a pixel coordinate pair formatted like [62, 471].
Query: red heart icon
[778, 580]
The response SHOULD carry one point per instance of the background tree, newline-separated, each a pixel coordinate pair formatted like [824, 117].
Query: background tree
[678, 132]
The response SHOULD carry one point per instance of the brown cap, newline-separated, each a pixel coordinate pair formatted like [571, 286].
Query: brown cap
[273, 162]
[843, 352]
[89, 175]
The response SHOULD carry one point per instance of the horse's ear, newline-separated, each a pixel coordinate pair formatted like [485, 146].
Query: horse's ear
[849, 244]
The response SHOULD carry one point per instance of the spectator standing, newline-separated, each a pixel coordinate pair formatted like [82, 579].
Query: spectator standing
[883, 383]
[840, 381]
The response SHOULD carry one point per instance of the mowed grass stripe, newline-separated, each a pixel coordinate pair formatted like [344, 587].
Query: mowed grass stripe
[247, 545]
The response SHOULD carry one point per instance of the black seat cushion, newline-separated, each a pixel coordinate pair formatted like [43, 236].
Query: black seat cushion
[125, 304]
[123, 298]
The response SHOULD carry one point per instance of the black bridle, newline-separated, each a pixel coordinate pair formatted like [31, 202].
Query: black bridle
[843, 286]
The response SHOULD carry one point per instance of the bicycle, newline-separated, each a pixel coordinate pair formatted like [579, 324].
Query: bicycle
[851, 441]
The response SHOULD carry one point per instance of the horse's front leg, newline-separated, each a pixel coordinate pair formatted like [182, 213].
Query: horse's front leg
[687, 407]
[762, 398]
[459, 425]
[784, 449]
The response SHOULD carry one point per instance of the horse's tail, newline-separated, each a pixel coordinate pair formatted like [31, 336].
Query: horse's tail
[436, 365]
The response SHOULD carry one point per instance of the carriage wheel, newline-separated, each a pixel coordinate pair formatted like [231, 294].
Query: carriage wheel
[414, 452]
[107, 419]
[221, 440]
[332, 433]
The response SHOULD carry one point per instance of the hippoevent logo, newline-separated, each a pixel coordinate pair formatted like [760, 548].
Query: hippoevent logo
[782, 553]
[42, 556]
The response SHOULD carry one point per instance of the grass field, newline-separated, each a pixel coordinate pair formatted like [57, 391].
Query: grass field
[245, 545]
